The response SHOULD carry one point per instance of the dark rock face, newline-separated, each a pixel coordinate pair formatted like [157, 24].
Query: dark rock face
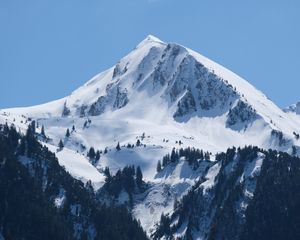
[116, 98]
[186, 105]
[121, 98]
[242, 114]
[98, 107]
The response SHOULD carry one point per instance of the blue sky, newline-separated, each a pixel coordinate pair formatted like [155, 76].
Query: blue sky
[50, 47]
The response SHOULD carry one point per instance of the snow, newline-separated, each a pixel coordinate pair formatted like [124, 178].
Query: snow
[155, 77]
[171, 183]
[253, 169]
[60, 198]
[78, 166]
[249, 179]
[210, 177]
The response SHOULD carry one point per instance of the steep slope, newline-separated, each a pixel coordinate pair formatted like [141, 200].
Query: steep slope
[159, 96]
[40, 200]
[247, 194]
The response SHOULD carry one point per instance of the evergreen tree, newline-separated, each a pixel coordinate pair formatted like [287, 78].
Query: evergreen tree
[174, 155]
[60, 145]
[118, 147]
[163, 228]
[30, 140]
[27, 192]
[158, 167]
[89, 186]
[107, 171]
[97, 157]
[67, 133]
[33, 127]
[166, 160]
[91, 154]
[107, 174]
[105, 150]
[294, 150]
[22, 147]
[138, 143]
[73, 128]
[139, 176]
[43, 131]
[207, 156]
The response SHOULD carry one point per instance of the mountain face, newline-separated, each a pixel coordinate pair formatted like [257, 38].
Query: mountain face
[40, 200]
[162, 102]
[247, 194]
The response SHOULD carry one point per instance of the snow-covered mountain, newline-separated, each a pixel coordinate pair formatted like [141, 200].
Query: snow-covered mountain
[166, 96]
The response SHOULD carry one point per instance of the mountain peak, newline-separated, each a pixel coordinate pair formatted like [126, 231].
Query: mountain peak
[185, 86]
[150, 39]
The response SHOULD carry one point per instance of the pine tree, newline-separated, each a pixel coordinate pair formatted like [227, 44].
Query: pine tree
[294, 150]
[118, 147]
[138, 143]
[139, 176]
[97, 157]
[67, 133]
[107, 172]
[105, 150]
[33, 127]
[73, 128]
[22, 146]
[158, 167]
[43, 131]
[207, 156]
[174, 155]
[91, 154]
[60, 144]
[89, 186]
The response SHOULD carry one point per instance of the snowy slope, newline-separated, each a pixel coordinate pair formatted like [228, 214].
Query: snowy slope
[160, 93]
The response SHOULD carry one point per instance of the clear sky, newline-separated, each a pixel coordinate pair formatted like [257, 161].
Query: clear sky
[50, 47]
